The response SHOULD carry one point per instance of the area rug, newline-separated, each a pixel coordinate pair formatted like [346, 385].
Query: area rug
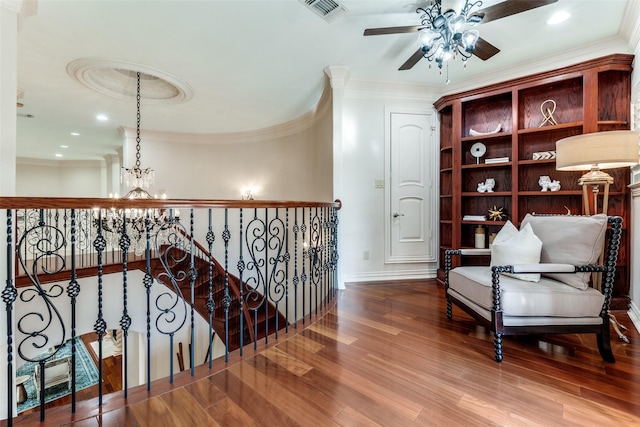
[86, 376]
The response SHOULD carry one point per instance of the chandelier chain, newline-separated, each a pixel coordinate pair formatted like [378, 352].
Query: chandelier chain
[138, 123]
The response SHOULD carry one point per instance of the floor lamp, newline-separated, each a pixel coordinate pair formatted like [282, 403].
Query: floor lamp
[595, 152]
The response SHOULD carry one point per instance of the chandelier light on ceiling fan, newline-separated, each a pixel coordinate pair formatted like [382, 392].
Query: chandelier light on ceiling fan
[445, 34]
[445, 30]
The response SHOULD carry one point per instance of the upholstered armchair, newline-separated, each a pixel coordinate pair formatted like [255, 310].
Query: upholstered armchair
[542, 279]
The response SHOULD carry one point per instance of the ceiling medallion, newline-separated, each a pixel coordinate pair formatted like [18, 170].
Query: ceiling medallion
[119, 79]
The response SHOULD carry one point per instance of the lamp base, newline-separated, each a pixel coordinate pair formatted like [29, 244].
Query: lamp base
[595, 177]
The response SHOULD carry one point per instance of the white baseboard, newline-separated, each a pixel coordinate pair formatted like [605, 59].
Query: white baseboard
[378, 276]
[634, 315]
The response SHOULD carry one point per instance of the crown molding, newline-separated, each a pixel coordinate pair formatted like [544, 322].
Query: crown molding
[614, 44]
[338, 75]
[60, 163]
[364, 89]
[282, 130]
[12, 5]
[23, 8]
[630, 25]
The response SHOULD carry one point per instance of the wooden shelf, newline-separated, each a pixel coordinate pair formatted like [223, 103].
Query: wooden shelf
[550, 128]
[551, 193]
[500, 223]
[593, 96]
[493, 194]
[536, 162]
[487, 166]
[486, 137]
[613, 122]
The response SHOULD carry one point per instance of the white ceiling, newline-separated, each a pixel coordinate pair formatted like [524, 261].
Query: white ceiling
[252, 64]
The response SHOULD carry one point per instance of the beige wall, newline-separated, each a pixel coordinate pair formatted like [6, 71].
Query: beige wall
[60, 179]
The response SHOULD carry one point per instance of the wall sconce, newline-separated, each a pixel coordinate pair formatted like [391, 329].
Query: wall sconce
[247, 194]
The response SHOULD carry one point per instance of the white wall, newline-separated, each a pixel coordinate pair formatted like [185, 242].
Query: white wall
[291, 161]
[40, 178]
[362, 215]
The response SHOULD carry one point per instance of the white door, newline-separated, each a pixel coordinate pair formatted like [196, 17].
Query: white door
[410, 204]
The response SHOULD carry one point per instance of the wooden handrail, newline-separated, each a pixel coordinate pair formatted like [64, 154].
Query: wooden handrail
[110, 203]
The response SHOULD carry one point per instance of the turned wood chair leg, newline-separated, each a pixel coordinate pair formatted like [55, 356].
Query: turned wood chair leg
[604, 344]
[449, 310]
[497, 346]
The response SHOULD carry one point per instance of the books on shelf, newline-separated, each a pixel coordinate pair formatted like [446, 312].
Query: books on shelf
[474, 218]
[496, 160]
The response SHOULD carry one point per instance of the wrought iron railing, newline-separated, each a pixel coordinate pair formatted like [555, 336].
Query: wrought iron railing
[220, 275]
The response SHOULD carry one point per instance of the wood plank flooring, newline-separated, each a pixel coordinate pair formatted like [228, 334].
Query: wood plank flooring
[386, 355]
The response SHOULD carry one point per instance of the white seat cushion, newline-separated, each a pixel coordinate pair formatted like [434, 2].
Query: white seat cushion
[547, 297]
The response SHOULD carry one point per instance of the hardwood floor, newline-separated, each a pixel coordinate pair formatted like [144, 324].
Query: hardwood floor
[387, 355]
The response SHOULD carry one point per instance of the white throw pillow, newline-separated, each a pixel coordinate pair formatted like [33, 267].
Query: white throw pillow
[512, 247]
[575, 240]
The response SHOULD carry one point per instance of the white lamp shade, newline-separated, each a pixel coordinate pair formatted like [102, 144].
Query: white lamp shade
[603, 150]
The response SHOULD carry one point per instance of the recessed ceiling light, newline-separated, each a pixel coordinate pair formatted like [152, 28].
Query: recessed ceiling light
[75, 134]
[558, 17]
[58, 155]
[64, 146]
[102, 117]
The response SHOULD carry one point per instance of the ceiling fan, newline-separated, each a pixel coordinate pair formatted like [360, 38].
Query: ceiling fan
[442, 43]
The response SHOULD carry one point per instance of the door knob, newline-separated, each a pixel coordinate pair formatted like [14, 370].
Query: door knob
[396, 215]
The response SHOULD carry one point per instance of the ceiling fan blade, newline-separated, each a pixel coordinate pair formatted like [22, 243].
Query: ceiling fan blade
[510, 7]
[484, 50]
[392, 30]
[413, 60]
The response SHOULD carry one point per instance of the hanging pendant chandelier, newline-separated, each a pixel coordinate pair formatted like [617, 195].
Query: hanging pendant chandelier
[133, 221]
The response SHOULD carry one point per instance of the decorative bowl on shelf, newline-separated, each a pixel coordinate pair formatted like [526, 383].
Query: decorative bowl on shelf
[476, 133]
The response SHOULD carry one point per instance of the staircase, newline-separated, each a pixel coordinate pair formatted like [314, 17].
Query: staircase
[254, 323]
[253, 327]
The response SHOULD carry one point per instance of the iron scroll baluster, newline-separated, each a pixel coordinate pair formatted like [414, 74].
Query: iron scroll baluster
[73, 290]
[100, 326]
[9, 295]
[45, 243]
[172, 306]
[256, 283]
[210, 304]
[277, 278]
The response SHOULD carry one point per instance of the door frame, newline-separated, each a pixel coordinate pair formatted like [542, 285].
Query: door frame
[432, 205]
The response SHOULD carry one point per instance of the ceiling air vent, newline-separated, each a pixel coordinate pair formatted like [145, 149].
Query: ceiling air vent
[326, 9]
